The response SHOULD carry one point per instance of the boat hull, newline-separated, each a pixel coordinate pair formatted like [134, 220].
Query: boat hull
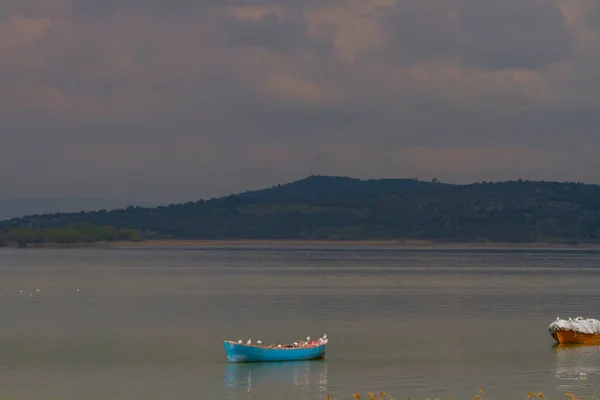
[569, 336]
[241, 353]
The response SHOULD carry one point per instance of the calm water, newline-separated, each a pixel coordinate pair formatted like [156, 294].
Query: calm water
[147, 323]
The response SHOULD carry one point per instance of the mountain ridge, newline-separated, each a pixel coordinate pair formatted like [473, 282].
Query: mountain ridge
[321, 207]
[26, 206]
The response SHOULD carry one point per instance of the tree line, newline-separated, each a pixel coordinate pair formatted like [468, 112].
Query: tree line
[74, 233]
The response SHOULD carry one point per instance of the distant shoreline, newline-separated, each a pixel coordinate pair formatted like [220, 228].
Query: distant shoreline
[346, 243]
[400, 244]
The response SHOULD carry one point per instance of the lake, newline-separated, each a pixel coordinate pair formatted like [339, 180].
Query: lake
[147, 323]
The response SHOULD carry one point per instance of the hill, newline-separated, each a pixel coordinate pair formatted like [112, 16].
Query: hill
[341, 208]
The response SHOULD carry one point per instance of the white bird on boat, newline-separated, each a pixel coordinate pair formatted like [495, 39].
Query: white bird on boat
[249, 341]
[308, 338]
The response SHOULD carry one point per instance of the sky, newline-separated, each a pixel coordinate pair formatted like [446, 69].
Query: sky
[169, 101]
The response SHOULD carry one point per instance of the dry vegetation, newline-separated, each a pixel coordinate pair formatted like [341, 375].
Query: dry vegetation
[478, 396]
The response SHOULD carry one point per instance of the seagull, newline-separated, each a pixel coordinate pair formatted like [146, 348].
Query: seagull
[324, 336]
[307, 338]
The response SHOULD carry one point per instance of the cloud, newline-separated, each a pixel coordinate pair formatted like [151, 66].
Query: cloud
[482, 33]
[175, 101]
[272, 31]
[592, 15]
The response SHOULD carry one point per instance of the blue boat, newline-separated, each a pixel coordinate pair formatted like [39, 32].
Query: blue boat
[238, 352]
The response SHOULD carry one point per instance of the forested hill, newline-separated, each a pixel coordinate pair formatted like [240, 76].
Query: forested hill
[322, 207]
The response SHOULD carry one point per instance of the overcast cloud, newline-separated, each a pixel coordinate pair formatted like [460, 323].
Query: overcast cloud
[173, 101]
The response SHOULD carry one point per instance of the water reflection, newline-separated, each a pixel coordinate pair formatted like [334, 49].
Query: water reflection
[578, 368]
[308, 377]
